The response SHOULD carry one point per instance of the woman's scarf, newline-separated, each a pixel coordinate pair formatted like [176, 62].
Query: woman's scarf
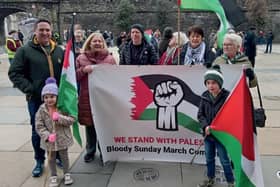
[234, 59]
[195, 56]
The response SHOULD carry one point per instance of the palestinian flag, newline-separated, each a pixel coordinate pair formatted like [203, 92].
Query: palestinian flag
[209, 5]
[234, 128]
[143, 100]
[68, 95]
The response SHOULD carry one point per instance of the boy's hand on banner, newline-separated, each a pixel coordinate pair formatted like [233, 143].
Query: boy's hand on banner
[207, 130]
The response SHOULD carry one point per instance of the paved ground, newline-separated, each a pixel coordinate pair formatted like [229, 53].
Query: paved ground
[16, 156]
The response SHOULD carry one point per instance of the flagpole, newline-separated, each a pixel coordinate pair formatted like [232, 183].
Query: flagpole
[178, 28]
[73, 36]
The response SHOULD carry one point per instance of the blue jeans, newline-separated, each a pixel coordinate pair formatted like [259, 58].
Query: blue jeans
[211, 145]
[39, 153]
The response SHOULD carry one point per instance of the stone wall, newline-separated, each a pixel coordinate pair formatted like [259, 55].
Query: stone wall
[100, 14]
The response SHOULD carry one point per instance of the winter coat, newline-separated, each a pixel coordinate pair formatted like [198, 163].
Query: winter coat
[103, 57]
[250, 45]
[269, 37]
[45, 126]
[30, 68]
[209, 55]
[172, 59]
[208, 108]
[148, 54]
[239, 59]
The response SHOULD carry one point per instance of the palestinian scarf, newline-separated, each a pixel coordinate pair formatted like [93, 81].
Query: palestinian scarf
[195, 56]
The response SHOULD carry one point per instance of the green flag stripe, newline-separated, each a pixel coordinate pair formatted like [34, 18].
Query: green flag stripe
[67, 104]
[65, 101]
[209, 5]
[183, 120]
[234, 150]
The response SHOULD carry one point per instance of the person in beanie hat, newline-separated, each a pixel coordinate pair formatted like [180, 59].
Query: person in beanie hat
[54, 130]
[215, 74]
[138, 51]
[50, 87]
[211, 102]
[139, 27]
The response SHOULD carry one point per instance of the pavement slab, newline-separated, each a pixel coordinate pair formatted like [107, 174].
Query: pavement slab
[271, 170]
[93, 167]
[16, 154]
[128, 174]
[14, 137]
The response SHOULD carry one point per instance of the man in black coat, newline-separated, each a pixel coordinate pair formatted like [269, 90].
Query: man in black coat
[138, 51]
[250, 45]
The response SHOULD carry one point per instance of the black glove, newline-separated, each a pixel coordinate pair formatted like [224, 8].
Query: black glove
[208, 65]
[250, 73]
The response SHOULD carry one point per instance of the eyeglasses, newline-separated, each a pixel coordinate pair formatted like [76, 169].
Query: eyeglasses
[227, 44]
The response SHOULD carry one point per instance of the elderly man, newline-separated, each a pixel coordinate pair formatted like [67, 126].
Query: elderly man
[138, 51]
[37, 60]
[231, 55]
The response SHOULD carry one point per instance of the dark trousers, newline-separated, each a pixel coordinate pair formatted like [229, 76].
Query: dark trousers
[91, 140]
[252, 60]
[268, 45]
[39, 153]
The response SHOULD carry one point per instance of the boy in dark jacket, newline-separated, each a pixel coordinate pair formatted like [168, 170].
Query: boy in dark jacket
[211, 102]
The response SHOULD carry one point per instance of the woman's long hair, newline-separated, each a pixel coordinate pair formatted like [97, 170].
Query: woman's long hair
[86, 46]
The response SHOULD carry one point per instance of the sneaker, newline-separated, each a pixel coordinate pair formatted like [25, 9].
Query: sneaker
[59, 163]
[68, 179]
[53, 181]
[88, 158]
[207, 183]
[230, 184]
[38, 170]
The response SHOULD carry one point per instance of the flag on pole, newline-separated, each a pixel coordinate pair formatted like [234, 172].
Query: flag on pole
[234, 128]
[68, 94]
[209, 5]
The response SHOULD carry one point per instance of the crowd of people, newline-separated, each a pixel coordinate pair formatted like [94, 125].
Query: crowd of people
[41, 59]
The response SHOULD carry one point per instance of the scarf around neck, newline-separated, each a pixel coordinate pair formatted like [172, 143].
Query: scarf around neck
[195, 56]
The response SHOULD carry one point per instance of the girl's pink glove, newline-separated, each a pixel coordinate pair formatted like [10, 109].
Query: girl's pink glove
[55, 116]
[52, 137]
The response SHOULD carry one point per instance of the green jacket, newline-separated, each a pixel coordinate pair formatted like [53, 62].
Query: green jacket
[30, 68]
[239, 59]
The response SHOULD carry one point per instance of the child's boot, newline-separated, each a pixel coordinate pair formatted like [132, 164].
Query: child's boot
[207, 183]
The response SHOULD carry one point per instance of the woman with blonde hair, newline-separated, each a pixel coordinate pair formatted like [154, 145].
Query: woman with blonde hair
[95, 51]
[170, 56]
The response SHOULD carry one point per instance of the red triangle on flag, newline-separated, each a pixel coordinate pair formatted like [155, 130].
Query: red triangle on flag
[236, 118]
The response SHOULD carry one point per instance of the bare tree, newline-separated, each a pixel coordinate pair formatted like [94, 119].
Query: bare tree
[257, 12]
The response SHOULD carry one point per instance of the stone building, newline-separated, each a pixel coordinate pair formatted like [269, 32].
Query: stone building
[101, 14]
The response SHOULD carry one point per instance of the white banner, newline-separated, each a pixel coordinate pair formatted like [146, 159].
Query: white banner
[150, 112]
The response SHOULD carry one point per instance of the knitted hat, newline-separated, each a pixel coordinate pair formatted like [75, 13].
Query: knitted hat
[214, 73]
[50, 87]
[138, 27]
